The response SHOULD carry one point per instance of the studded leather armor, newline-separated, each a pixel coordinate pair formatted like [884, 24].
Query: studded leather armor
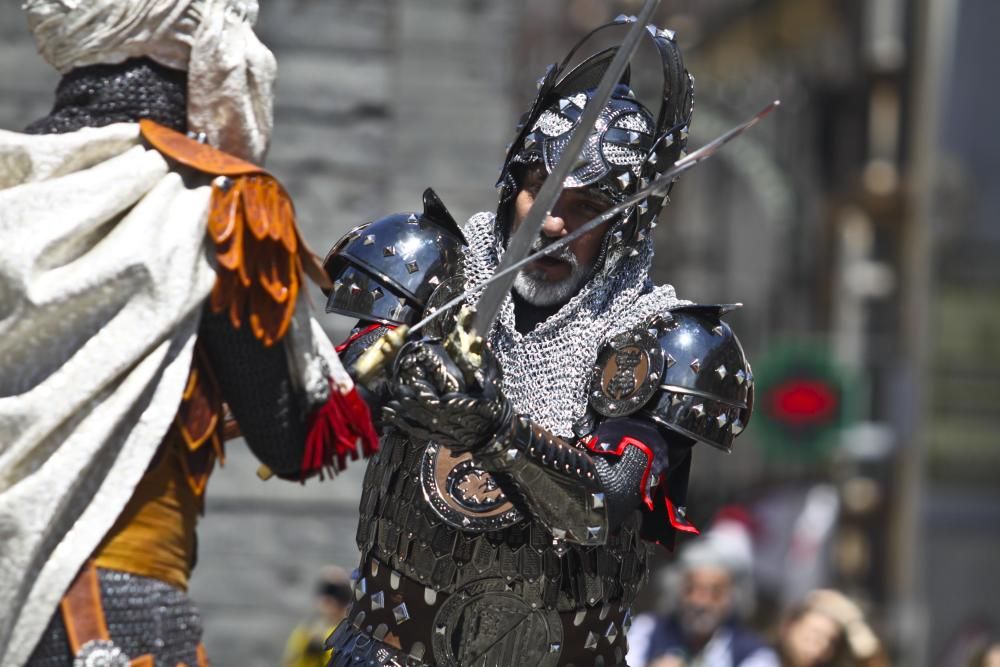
[503, 570]
[534, 543]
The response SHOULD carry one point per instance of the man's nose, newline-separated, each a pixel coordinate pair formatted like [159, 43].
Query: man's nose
[554, 226]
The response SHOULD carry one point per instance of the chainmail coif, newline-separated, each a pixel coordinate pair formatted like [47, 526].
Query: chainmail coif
[547, 372]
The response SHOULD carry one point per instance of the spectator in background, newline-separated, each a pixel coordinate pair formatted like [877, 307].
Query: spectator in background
[829, 630]
[333, 597]
[988, 657]
[711, 590]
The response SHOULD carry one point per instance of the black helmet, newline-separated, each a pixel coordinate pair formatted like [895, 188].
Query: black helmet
[627, 148]
[386, 270]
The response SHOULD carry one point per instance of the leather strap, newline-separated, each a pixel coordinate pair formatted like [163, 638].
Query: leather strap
[83, 616]
[82, 611]
[202, 656]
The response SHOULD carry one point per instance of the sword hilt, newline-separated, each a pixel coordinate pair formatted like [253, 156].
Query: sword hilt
[465, 346]
[383, 352]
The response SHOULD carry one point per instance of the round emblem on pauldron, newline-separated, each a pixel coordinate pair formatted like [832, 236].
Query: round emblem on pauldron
[463, 494]
[491, 628]
[627, 373]
[100, 653]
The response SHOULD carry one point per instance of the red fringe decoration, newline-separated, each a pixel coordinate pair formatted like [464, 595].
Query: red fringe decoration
[336, 430]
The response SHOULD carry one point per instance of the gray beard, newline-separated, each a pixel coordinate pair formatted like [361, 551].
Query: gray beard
[533, 287]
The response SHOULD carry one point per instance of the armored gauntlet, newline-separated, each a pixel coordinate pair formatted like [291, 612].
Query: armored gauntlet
[577, 495]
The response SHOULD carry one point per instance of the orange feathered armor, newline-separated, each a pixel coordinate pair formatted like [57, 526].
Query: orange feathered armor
[261, 259]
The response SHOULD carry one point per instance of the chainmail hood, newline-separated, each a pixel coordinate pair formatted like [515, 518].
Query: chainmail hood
[546, 372]
[99, 95]
[230, 81]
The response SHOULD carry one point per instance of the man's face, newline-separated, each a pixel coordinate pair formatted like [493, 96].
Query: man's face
[706, 601]
[554, 279]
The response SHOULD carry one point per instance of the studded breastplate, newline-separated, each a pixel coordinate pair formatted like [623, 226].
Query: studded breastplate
[441, 526]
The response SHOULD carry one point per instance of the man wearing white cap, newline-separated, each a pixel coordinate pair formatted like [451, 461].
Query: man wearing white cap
[145, 278]
[712, 589]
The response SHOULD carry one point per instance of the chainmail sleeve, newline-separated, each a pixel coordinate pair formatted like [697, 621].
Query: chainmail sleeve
[256, 383]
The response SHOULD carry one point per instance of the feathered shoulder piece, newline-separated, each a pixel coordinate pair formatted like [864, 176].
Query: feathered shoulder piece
[261, 256]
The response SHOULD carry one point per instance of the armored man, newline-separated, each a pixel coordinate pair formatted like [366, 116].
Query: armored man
[507, 518]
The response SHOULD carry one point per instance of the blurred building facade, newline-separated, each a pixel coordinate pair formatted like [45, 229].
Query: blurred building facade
[860, 218]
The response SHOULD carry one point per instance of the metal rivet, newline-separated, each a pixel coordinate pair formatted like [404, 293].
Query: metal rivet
[611, 633]
[417, 651]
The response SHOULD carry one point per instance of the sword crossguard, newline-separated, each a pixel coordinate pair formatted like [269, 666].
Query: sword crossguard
[383, 352]
[465, 346]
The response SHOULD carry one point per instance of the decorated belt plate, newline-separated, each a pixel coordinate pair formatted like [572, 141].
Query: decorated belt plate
[463, 494]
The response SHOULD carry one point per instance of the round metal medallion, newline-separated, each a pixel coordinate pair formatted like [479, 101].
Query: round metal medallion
[100, 653]
[627, 373]
[494, 627]
[463, 494]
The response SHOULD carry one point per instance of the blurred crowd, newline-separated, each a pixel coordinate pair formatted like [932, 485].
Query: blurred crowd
[706, 614]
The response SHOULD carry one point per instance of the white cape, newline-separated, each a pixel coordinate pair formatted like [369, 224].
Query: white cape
[103, 272]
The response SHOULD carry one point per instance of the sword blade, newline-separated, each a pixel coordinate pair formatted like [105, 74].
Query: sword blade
[520, 242]
[659, 184]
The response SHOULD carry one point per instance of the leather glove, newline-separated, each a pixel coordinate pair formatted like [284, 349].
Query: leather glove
[432, 400]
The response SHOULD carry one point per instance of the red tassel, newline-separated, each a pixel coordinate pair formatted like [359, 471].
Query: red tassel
[336, 430]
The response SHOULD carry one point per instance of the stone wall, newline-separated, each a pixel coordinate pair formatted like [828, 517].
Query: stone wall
[376, 100]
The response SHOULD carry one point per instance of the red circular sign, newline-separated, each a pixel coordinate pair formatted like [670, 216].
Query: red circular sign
[804, 402]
